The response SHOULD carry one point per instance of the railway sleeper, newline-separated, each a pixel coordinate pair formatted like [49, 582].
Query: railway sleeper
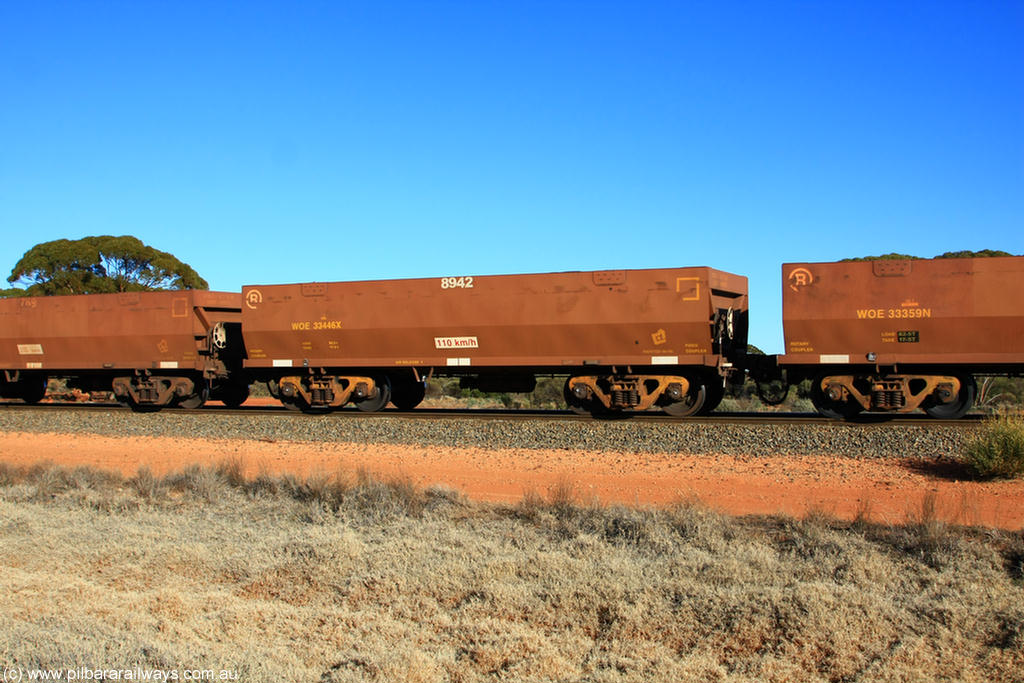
[893, 393]
[627, 392]
[326, 391]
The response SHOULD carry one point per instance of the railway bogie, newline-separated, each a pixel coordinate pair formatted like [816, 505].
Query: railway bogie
[675, 395]
[324, 391]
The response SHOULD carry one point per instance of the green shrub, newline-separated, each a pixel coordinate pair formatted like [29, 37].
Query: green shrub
[998, 448]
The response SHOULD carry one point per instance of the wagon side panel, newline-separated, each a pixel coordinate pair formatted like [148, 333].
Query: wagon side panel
[547, 320]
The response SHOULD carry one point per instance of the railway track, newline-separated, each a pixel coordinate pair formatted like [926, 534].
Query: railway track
[746, 433]
[490, 414]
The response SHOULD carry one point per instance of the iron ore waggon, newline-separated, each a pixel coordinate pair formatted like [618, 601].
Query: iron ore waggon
[151, 349]
[899, 335]
[627, 339]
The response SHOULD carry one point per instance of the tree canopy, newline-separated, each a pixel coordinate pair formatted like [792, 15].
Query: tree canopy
[884, 257]
[100, 264]
[984, 253]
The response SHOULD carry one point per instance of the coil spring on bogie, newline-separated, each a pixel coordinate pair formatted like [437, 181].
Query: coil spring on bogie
[888, 399]
[625, 397]
[322, 395]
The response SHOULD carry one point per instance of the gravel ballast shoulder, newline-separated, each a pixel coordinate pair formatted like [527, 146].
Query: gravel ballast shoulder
[628, 436]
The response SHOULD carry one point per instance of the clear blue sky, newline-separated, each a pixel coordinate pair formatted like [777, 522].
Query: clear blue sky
[286, 142]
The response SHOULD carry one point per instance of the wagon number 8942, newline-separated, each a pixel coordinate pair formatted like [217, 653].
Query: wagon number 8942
[457, 282]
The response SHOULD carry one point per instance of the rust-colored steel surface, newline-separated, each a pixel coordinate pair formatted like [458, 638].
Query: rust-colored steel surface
[555, 320]
[134, 330]
[930, 312]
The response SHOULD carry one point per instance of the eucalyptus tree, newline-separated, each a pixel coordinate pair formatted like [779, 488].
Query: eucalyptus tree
[100, 264]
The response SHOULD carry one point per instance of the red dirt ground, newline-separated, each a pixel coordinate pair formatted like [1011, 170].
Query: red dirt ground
[882, 490]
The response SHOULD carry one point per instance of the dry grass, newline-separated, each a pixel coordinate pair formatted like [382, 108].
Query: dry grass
[344, 577]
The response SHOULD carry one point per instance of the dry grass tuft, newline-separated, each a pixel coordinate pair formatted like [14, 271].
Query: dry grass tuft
[232, 471]
[9, 474]
[865, 511]
[147, 485]
[200, 482]
[818, 516]
[49, 480]
[264, 484]
[531, 505]
[925, 537]
[563, 496]
[407, 494]
[440, 495]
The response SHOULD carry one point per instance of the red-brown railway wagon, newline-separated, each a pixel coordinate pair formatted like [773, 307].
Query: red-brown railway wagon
[897, 335]
[627, 339]
[149, 348]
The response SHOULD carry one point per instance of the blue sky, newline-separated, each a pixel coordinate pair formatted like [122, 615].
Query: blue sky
[287, 142]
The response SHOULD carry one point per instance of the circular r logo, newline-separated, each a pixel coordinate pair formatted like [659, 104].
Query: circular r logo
[253, 298]
[800, 277]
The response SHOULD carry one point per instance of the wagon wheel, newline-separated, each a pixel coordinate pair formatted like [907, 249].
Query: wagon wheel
[275, 391]
[407, 393]
[576, 405]
[194, 400]
[234, 394]
[835, 410]
[714, 392]
[381, 399]
[690, 404]
[959, 406]
[32, 389]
